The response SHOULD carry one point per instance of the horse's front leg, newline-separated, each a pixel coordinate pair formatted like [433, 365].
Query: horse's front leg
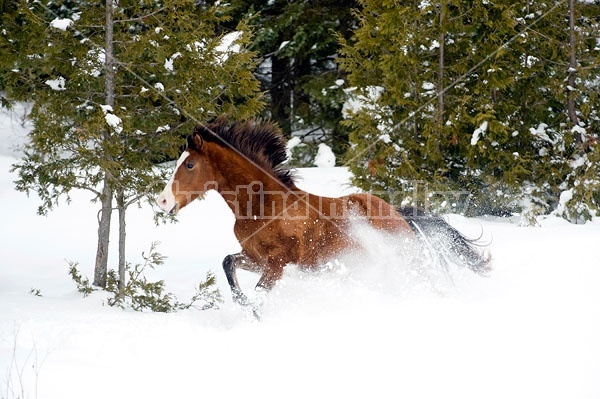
[230, 264]
[271, 273]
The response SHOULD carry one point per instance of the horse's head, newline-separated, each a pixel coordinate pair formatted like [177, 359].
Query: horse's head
[193, 174]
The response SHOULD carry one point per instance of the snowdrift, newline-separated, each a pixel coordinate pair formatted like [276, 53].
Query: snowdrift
[373, 325]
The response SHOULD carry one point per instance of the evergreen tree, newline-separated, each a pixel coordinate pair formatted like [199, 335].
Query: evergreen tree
[115, 87]
[298, 44]
[471, 96]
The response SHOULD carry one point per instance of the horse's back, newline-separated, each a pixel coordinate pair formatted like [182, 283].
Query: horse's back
[379, 213]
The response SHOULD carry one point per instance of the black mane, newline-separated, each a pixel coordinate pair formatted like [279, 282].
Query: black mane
[259, 141]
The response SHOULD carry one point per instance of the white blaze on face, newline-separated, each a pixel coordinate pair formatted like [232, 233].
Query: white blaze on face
[166, 199]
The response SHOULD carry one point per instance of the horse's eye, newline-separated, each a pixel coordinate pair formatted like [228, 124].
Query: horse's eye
[189, 165]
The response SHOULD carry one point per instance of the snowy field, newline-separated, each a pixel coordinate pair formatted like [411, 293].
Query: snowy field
[367, 328]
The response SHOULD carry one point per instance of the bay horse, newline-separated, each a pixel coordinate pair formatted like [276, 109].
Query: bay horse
[277, 223]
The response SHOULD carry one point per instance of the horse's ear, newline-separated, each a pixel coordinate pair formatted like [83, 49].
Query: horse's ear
[194, 142]
[203, 132]
[190, 141]
[198, 141]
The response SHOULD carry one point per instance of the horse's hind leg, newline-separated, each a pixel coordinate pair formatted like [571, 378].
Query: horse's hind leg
[269, 277]
[230, 264]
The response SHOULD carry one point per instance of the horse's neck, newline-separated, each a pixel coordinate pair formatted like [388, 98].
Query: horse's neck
[257, 198]
[250, 191]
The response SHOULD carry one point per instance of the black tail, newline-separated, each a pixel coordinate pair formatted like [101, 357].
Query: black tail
[445, 239]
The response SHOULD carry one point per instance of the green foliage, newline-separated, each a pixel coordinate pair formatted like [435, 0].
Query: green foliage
[584, 188]
[206, 296]
[139, 294]
[303, 155]
[171, 71]
[428, 75]
[298, 41]
[82, 283]
[471, 96]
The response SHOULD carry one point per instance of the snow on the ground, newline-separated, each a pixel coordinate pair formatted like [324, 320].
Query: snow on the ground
[368, 327]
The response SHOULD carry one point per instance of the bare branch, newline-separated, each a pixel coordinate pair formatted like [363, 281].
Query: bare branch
[139, 19]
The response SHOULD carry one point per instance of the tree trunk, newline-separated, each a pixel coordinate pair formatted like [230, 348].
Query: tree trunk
[441, 87]
[417, 87]
[103, 237]
[122, 235]
[100, 269]
[109, 77]
[281, 93]
[572, 70]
